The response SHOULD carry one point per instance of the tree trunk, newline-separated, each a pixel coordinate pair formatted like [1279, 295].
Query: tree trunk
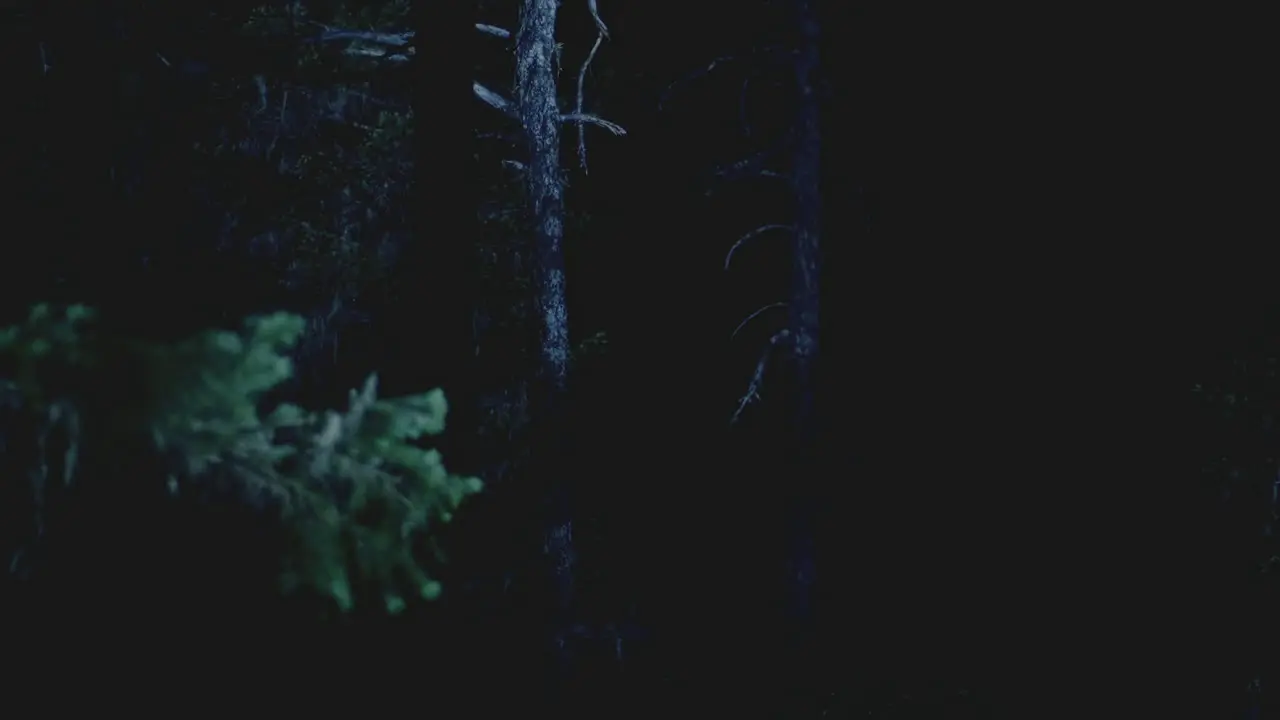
[540, 116]
[803, 322]
[536, 56]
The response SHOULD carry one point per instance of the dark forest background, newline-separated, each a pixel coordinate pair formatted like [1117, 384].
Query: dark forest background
[886, 534]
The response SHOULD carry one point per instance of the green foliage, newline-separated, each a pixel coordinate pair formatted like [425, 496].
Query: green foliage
[355, 492]
[49, 342]
[365, 494]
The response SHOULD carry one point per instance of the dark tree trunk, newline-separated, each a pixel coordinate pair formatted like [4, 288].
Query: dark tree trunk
[806, 259]
[540, 116]
[536, 56]
[803, 327]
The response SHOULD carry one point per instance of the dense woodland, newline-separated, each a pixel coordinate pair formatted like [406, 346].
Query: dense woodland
[590, 357]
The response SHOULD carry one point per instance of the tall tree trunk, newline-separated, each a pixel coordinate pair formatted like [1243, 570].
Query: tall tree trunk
[536, 58]
[803, 321]
[540, 114]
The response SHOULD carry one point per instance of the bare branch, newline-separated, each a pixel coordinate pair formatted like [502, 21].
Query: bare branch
[612, 127]
[728, 258]
[594, 9]
[755, 315]
[582, 81]
[487, 96]
[595, 15]
[493, 30]
[508, 107]
[754, 166]
[757, 378]
[493, 99]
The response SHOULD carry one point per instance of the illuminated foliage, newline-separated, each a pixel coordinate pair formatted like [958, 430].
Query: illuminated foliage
[354, 490]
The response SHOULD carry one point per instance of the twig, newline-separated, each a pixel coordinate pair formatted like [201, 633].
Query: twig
[757, 379]
[753, 166]
[582, 81]
[595, 15]
[754, 315]
[603, 33]
[508, 107]
[612, 127]
[762, 229]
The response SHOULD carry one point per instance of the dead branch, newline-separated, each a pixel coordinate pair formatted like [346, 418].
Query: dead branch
[755, 315]
[757, 378]
[494, 30]
[728, 258]
[493, 99]
[582, 81]
[603, 33]
[612, 127]
[595, 15]
[508, 107]
[381, 41]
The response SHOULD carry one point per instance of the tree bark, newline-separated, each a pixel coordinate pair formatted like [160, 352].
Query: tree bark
[536, 57]
[540, 116]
